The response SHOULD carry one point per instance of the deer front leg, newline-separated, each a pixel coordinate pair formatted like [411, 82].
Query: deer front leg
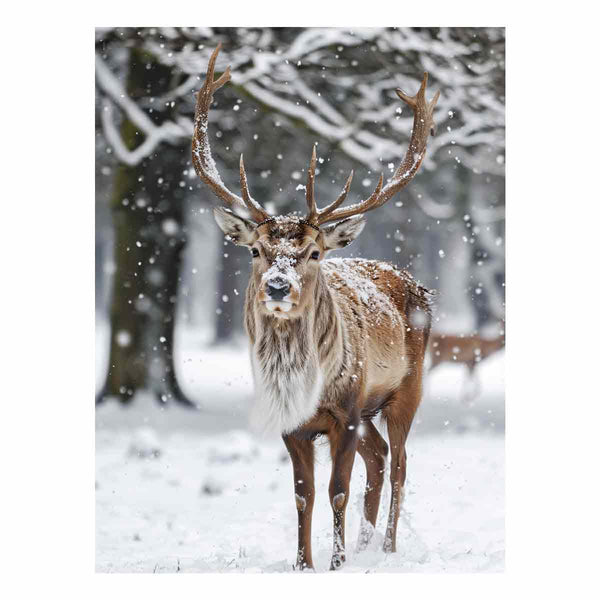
[302, 455]
[343, 449]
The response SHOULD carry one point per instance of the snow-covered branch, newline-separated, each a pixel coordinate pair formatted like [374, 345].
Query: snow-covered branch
[358, 112]
[152, 134]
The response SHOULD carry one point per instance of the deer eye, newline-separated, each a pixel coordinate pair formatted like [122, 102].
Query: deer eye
[255, 252]
[315, 255]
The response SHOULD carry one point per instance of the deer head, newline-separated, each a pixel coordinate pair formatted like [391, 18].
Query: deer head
[287, 250]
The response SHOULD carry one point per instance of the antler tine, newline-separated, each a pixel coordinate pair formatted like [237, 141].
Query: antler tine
[310, 188]
[420, 95]
[423, 125]
[201, 153]
[254, 208]
[331, 207]
[314, 215]
[332, 213]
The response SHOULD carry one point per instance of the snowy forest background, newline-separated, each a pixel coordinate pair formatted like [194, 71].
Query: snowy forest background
[170, 290]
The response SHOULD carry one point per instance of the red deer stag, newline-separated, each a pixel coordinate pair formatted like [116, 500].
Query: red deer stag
[333, 342]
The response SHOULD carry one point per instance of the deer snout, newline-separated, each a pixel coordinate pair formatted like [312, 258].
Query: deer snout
[278, 288]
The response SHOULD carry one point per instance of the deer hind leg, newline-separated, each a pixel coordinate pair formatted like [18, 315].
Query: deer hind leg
[471, 390]
[302, 455]
[343, 442]
[399, 415]
[373, 450]
[476, 383]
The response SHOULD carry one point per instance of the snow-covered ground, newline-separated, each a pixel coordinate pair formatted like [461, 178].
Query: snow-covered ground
[178, 490]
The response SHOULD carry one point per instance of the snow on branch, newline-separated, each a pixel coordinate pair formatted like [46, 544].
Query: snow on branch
[333, 132]
[153, 135]
[309, 80]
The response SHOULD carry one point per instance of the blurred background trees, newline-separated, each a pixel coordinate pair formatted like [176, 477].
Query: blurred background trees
[162, 265]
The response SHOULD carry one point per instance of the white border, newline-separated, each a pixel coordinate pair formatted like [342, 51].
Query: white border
[48, 512]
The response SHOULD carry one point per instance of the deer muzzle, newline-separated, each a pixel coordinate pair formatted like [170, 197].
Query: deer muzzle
[277, 291]
[277, 288]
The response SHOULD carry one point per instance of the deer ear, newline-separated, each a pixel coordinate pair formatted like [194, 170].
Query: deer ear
[240, 230]
[339, 235]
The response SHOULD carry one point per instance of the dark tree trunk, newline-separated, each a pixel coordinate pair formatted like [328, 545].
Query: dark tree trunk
[148, 215]
[231, 291]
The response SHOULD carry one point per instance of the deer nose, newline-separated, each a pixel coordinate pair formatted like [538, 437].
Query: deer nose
[278, 288]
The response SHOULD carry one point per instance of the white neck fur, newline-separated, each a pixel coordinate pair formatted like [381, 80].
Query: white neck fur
[288, 381]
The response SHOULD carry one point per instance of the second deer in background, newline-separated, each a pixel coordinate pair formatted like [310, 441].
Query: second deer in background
[469, 350]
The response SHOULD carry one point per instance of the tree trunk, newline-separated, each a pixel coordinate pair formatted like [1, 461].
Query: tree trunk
[148, 215]
[231, 291]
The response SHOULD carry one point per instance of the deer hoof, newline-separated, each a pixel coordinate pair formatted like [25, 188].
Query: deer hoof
[303, 565]
[365, 536]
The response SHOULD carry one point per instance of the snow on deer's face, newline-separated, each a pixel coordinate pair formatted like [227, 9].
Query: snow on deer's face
[285, 260]
[285, 264]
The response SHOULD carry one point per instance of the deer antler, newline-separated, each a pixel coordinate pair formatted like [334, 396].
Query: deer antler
[422, 125]
[201, 154]
[314, 214]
